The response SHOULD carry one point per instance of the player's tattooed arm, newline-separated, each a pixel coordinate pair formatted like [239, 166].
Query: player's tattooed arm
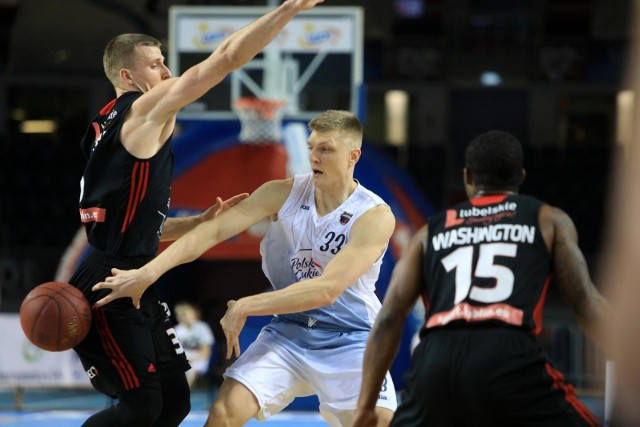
[590, 308]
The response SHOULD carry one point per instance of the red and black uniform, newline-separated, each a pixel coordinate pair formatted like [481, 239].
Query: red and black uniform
[124, 202]
[485, 277]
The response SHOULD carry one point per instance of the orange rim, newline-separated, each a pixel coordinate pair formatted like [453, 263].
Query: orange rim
[266, 106]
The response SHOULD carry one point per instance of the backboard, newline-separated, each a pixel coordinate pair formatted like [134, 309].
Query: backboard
[314, 64]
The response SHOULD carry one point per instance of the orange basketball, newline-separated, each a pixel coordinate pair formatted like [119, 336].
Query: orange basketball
[55, 316]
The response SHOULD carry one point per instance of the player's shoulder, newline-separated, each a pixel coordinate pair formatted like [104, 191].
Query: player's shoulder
[127, 99]
[273, 194]
[379, 218]
[552, 217]
[554, 213]
[369, 205]
[365, 195]
[277, 186]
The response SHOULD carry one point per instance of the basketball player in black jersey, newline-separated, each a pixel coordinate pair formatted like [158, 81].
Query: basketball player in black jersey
[131, 352]
[482, 269]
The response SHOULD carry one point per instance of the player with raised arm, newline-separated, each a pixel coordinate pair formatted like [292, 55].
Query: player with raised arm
[130, 354]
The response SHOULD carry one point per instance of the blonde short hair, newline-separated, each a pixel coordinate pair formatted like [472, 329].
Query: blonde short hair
[120, 53]
[345, 123]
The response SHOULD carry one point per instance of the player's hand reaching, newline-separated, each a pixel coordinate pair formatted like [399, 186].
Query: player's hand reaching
[305, 4]
[222, 205]
[232, 323]
[124, 283]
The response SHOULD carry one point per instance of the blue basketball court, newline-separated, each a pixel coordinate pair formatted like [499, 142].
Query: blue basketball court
[70, 408]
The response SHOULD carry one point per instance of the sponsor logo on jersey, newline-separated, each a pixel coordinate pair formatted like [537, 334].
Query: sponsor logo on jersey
[93, 214]
[305, 207]
[471, 313]
[305, 267]
[345, 217]
[485, 215]
[452, 219]
[489, 210]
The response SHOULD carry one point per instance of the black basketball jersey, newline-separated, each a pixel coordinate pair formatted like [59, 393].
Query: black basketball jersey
[124, 200]
[486, 262]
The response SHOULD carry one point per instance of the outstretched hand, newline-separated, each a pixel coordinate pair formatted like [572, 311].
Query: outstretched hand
[305, 4]
[124, 283]
[232, 323]
[222, 205]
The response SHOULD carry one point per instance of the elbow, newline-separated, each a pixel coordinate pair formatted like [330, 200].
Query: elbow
[387, 319]
[328, 297]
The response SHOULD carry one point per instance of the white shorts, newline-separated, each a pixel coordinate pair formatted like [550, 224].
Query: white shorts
[288, 360]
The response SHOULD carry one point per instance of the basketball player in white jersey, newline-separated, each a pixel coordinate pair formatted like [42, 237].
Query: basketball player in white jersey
[322, 255]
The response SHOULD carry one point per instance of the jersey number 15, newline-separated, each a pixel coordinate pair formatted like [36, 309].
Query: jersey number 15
[461, 260]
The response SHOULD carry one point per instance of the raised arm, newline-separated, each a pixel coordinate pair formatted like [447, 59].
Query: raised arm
[369, 236]
[589, 307]
[384, 340]
[151, 119]
[235, 51]
[265, 201]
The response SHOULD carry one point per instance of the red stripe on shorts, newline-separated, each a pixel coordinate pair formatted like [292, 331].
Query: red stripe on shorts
[110, 346]
[570, 396]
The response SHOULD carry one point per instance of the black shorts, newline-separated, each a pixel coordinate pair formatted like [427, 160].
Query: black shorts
[486, 376]
[126, 348]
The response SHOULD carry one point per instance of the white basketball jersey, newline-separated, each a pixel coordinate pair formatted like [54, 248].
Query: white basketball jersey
[299, 245]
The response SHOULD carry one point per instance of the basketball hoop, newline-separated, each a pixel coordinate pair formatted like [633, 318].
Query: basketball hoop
[260, 119]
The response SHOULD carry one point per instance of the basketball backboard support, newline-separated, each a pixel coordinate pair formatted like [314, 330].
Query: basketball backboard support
[314, 64]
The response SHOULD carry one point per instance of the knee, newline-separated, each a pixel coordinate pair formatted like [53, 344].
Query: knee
[234, 406]
[219, 414]
[223, 414]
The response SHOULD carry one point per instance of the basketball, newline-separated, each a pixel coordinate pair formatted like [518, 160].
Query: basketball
[55, 316]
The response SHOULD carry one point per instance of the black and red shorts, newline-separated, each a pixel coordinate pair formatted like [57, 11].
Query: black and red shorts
[486, 376]
[126, 348]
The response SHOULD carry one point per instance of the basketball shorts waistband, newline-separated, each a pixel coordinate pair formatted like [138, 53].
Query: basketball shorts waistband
[310, 322]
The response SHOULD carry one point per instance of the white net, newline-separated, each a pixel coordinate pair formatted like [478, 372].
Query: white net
[260, 119]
